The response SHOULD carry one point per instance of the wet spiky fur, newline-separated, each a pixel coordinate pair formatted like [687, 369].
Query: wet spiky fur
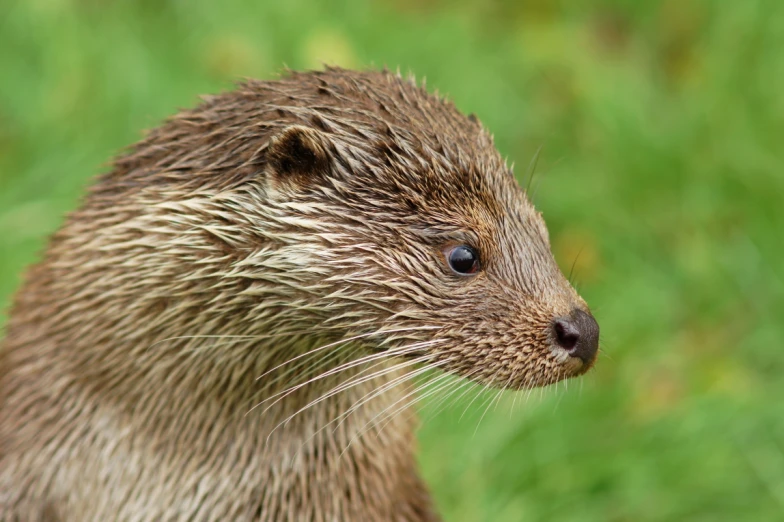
[217, 332]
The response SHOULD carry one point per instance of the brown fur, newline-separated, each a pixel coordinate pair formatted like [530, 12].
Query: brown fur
[261, 234]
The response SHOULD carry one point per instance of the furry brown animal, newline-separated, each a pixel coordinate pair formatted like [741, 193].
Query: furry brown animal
[218, 332]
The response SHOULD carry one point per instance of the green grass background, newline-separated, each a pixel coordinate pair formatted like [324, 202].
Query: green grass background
[662, 127]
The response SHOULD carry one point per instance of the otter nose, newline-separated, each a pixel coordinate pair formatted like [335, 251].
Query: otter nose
[578, 334]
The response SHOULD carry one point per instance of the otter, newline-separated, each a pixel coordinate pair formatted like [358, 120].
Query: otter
[229, 326]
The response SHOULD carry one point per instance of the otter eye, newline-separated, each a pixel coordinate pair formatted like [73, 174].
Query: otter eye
[463, 260]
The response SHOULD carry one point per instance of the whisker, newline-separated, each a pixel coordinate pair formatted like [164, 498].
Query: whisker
[418, 396]
[347, 340]
[463, 382]
[605, 354]
[236, 338]
[514, 402]
[345, 366]
[347, 385]
[469, 405]
[416, 392]
[369, 424]
[532, 168]
[559, 394]
[359, 380]
[574, 263]
[375, 393]
[365, 399]
[451, 384]
[306, 366]
[497, 396]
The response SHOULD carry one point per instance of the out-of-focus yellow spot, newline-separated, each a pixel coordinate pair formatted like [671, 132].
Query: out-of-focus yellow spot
[680, 25]
[577, 254]
[51, 6]
[655, 393]
[709, 352]
[328, 47]
[728, 378]
[234, 56]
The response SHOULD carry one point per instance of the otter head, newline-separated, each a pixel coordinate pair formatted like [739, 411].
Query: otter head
[397, 222]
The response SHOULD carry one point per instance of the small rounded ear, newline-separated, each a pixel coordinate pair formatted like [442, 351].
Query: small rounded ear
[299, 155]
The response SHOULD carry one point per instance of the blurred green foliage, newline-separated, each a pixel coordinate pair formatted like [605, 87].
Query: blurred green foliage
[661, 125]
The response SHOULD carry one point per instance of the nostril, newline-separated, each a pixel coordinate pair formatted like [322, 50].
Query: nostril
[566, 334]
[578, 334]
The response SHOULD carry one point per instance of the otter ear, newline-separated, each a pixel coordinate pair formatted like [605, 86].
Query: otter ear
[298, 155]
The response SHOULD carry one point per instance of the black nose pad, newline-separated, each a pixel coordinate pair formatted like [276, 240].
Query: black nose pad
[578, 334]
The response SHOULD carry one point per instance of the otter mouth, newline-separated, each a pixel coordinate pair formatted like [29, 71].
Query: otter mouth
[569, 349]
[565, 348]
[575, 366]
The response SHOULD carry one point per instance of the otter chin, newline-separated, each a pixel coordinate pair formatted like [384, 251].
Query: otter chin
[229, 326]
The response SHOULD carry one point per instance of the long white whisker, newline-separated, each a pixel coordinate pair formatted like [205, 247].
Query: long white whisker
[464, 382]
[324, 361]
[452, 385]
[344, 341]
[371, 422]
[418, 396]
[355, 381]
[345, 386]
[375, 393]
[365, 399]
[345, 366]
[497, 396]
[469, 406]
[232, 337]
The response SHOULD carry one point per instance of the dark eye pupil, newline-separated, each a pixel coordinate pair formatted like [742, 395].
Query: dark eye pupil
[463, 260]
